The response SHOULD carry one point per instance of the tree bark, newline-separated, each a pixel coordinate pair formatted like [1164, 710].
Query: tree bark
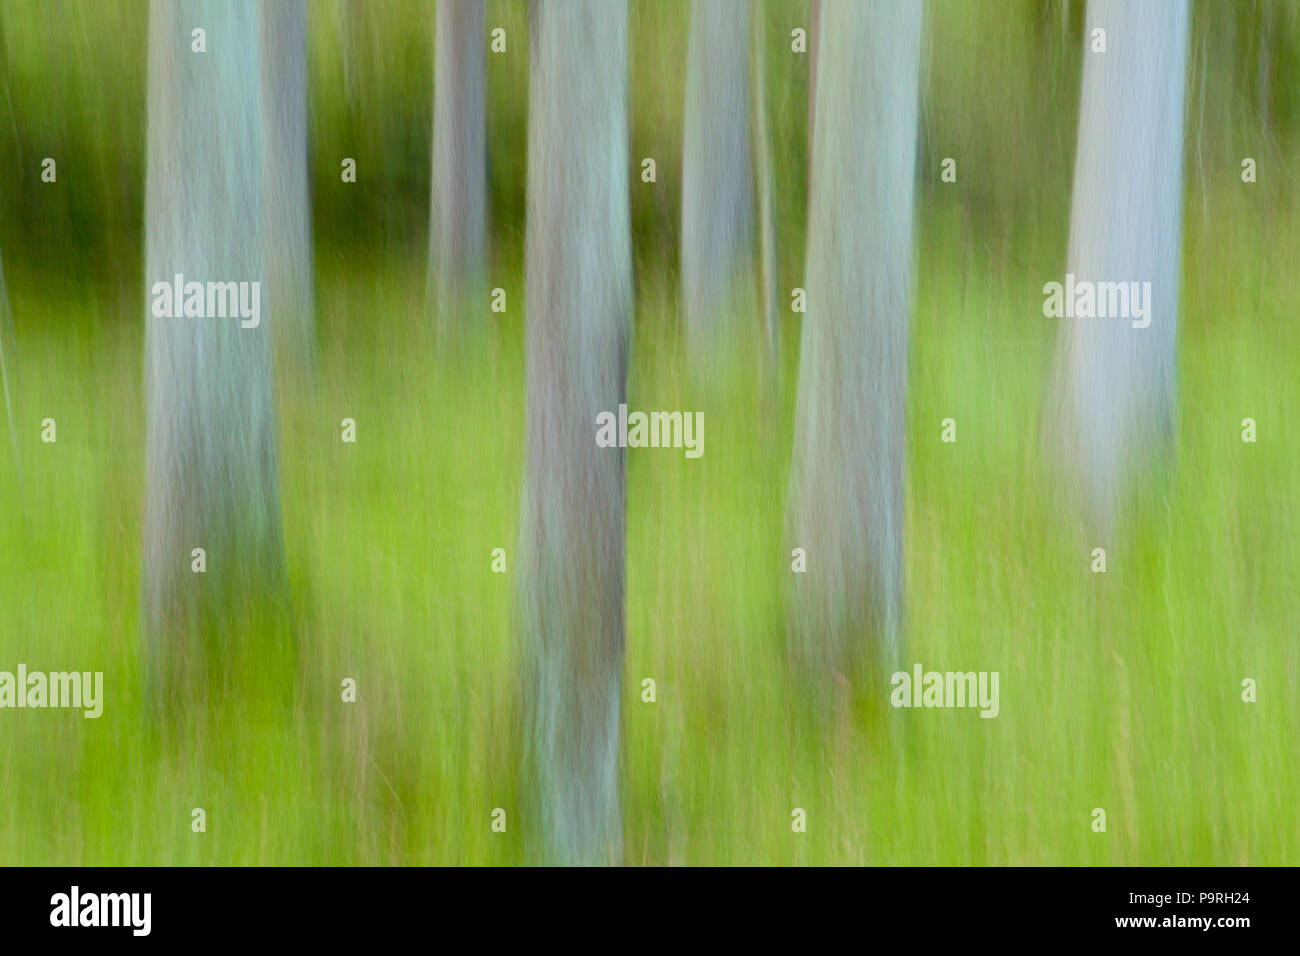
[717, 175]
[579, 288]
[211, 436]
[458, 216]
[846, 495]
[1115, 384]
[287, 201]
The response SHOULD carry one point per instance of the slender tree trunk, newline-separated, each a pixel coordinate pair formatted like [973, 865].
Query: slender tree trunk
[287, 198]
[211, 438]
[1115, 386]
[1263, 80]
[846, 495]
[814, 20]
[579, 286]
[717, 174]
[458, 217]
[766, 214]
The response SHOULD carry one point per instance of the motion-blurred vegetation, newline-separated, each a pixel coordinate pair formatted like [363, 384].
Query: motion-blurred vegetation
[1119, 691]
[994, 75]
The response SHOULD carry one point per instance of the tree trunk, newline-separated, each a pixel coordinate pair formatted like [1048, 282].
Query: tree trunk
[717, 175]
[814, 19]
[846, 493]
[579, 288]
[287, 199]
[766, 214]
[211, 442]
[458, 216]
[1115, 386]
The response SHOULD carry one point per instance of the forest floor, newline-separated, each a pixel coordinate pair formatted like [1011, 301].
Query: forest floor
[1121, 691]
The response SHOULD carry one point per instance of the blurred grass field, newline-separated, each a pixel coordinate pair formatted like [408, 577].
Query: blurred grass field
[1120, 691]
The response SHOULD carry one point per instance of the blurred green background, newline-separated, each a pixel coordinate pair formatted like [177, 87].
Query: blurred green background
[1119, 691]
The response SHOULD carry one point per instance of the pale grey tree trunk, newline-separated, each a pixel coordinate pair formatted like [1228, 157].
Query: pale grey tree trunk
[287, 179]
[1115, 386]
[846, 493]
[766, 202]
[717, 175]
[814, 19]
[579, 288]
[458, 216]
[211, 436]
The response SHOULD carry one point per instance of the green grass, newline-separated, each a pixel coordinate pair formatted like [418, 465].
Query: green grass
[1120, 691]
